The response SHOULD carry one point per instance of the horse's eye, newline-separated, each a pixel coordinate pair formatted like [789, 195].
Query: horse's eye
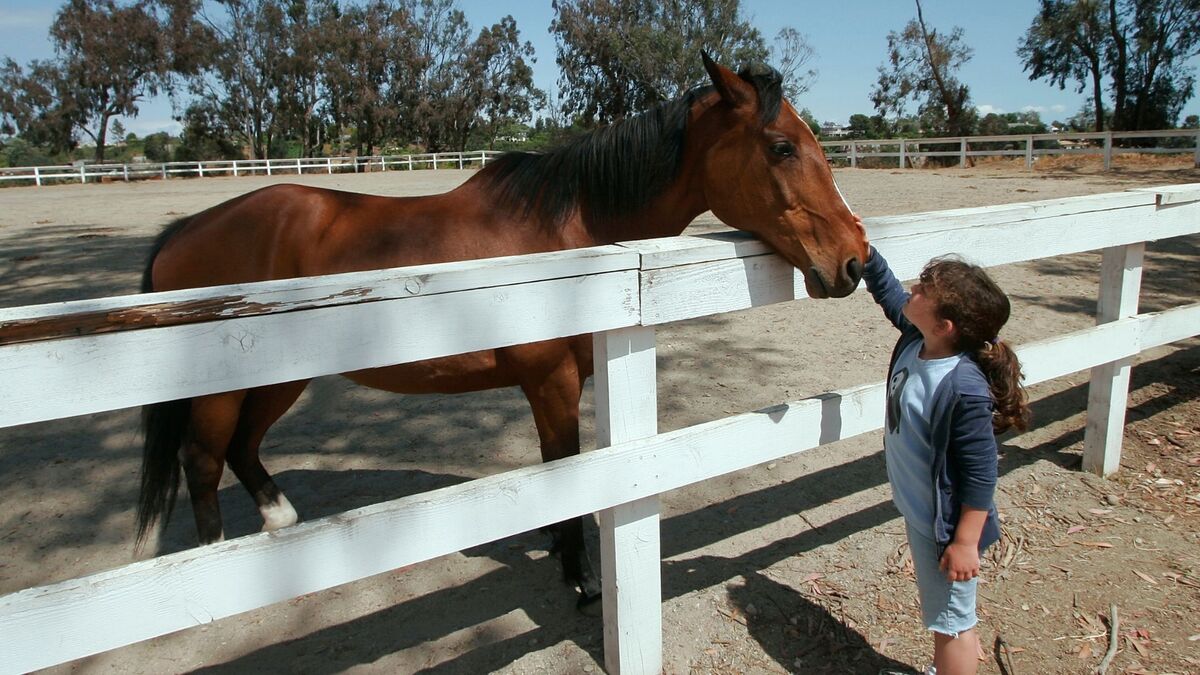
[783, 149]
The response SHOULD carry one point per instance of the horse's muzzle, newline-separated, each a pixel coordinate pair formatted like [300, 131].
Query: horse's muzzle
[845, 283]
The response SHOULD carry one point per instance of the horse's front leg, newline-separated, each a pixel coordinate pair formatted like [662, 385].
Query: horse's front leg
[553, 392]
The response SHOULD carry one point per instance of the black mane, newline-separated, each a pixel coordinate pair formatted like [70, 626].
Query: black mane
[613, 171]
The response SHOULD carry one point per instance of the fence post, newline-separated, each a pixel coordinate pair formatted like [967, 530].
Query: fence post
[903, 163]
[962, 154]
[435, 161]
[82, 173]
[299, 170]
[1108, 390]
[125, 171]
[1108, 145]
[853, 154]
[200, 168]
[37, 175]
[164, 171]
[630, 553]
[268, 160]
[1029, 153]
[1196, 157]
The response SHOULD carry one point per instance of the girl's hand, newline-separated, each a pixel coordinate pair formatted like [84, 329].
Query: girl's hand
[960, 562]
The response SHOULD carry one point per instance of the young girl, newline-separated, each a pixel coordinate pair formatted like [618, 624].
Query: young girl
[952, 385]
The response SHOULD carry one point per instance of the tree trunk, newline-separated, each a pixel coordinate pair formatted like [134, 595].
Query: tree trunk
[102, 137]
[1119, 67]
[1098, 93]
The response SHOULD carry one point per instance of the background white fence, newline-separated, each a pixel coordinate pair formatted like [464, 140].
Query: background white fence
[85, 171]
[81, 357]
[907, 152]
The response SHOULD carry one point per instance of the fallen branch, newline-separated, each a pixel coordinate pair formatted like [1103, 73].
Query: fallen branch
[1003, 656]
[1112, 640]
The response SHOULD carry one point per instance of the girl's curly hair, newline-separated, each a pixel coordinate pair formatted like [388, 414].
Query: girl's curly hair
[966, 296]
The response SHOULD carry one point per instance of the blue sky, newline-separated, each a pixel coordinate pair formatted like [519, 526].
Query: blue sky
[850, 39]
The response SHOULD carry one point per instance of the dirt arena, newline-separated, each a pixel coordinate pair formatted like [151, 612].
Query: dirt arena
[795, 566]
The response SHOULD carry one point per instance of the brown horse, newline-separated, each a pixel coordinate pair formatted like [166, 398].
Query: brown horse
[736, 148]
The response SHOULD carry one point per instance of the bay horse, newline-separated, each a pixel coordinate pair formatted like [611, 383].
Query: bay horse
[734, 147]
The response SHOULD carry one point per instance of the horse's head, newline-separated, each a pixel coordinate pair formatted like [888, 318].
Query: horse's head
[765, 172]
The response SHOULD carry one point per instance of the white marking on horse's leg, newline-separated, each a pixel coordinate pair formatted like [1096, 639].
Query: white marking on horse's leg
[278, 514]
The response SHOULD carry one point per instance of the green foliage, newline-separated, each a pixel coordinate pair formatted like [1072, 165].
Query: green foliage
[1140, 46]
[619, 58]
[920, 66]
[204, 137]
[157, 147]
[19, 152]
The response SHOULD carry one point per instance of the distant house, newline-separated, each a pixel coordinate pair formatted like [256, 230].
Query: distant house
[833, 130]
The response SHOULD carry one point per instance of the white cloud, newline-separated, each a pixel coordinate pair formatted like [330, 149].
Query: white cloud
[1043, 109]
[145, 127]
[1056, 109]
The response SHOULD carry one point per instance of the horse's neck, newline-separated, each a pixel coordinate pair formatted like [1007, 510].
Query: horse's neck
[665, 216]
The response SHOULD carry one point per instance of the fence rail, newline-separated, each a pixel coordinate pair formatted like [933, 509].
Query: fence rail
[907, 151]
[79, 357]
[47, 175]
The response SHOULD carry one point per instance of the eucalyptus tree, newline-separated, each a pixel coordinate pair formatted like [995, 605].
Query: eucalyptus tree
[109, 58]
[460, 83]
[920, 66]
[1141, 46]
[369, 53]
[263, 78]
[619, 57]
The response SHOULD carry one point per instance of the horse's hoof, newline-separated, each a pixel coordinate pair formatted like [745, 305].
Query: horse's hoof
[589, 605]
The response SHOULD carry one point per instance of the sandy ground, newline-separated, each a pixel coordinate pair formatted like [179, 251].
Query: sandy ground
[796, 566]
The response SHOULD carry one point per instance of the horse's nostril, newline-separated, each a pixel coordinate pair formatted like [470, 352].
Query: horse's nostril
[854, 270]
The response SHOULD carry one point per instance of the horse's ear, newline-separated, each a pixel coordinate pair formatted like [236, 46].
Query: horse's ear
[733, 89]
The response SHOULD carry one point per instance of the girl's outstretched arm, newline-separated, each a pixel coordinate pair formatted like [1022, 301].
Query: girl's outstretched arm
[886, 289]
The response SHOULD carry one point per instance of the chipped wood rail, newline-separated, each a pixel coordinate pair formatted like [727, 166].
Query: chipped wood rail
[87, 356]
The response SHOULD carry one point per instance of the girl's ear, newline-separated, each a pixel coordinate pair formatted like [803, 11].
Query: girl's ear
[945, 328]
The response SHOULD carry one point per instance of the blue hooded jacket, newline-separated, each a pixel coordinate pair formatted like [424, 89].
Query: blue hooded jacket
[966, 459]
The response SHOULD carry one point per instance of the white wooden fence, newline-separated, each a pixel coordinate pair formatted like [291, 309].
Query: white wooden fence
[85, 171]
[89, 356]
[907, 151]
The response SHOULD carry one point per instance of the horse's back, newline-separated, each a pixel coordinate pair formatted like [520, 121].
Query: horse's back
[286, 231]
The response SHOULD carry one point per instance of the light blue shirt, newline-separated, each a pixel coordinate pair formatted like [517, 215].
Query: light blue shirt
[907, 436]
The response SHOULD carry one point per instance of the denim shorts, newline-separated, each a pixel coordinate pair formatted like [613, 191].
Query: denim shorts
[947, 607]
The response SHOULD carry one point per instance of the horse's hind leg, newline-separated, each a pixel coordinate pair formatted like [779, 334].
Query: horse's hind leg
[213, 422]
[262, 407]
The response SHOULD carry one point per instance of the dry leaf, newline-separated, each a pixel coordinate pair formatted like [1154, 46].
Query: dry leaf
[1085, 652]
[1099, 512]
[1139, 647]
[1096, 544]
[1076, 528]
[1145, 577]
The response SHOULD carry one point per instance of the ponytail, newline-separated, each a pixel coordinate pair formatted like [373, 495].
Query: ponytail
[1003, 372]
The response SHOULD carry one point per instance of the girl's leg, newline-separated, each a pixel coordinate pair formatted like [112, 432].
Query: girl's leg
[956, 655]
[947, 609]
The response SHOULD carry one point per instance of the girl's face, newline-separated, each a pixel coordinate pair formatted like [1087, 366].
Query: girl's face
[921, 310]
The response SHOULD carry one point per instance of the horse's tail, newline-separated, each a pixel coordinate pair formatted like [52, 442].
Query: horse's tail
[163, 426]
